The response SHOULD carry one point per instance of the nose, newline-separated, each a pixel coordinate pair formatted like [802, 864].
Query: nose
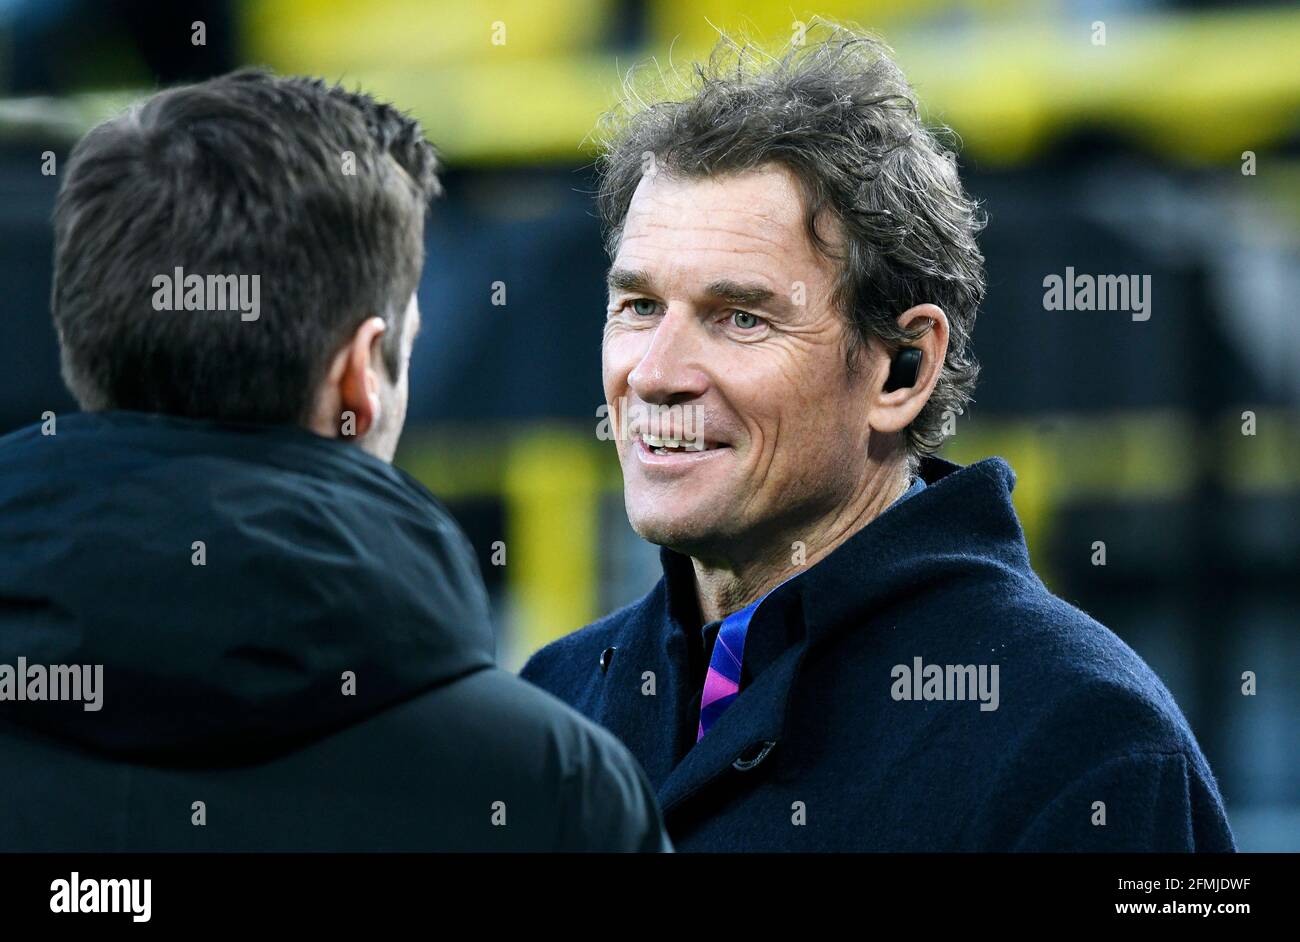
[670, 369]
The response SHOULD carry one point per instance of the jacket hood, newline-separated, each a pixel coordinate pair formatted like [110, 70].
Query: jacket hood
[318, 559]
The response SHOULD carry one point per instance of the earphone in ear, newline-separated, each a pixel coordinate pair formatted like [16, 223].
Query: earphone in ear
[904, 369]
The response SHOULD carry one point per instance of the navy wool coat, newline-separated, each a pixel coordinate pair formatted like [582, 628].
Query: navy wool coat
[836, 743]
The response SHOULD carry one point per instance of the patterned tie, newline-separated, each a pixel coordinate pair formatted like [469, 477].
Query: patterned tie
[722, 683]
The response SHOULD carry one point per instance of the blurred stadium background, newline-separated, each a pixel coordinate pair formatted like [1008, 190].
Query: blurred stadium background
[1124, 158]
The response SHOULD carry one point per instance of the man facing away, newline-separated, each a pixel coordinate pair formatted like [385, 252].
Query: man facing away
[848, 649]
[226, 621]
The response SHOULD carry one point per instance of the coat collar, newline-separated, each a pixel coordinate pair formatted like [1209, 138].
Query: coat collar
[964, 515]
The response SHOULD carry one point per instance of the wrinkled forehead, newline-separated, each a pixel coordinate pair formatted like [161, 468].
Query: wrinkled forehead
[747, 222]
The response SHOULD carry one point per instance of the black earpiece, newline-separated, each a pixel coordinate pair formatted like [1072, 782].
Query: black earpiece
[904, 370]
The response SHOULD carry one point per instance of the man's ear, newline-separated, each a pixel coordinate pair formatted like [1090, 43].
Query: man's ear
[894, 411]
[350, 403]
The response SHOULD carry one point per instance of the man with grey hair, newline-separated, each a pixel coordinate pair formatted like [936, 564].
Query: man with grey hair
[848, 649]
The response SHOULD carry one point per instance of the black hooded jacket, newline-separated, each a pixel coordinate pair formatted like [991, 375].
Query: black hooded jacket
[295, 654]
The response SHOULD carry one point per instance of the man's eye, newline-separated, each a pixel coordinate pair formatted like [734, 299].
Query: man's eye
[644, 307]
[744, 320]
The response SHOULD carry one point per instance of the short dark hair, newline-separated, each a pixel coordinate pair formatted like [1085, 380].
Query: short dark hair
[838, 113]
[239, 175]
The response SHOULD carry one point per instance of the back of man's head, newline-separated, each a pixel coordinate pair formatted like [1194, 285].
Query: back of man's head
[309, 197]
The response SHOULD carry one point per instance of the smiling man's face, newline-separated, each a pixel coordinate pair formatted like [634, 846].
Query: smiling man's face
[720, 304]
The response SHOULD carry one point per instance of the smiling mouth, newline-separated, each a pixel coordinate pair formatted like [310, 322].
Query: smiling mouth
[663, 446]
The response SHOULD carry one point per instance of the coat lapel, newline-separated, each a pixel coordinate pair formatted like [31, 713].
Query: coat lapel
[749, 729]
[647, 724]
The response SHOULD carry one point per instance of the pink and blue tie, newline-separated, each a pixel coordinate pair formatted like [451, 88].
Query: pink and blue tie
[722, 682]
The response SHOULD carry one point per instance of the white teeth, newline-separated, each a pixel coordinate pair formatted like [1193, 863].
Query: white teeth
[654, 441]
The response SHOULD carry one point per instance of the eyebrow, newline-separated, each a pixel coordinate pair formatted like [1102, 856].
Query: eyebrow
[733, 292]
[625, 279]
[730, 292]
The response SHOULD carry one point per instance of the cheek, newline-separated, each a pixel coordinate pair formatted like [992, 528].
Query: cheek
[402, 389]
[404, 395]
[800, 410]
[775, 394]
[619, 355]
[833, 425]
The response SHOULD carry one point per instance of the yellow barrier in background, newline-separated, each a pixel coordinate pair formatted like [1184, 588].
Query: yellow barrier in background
[525, 80]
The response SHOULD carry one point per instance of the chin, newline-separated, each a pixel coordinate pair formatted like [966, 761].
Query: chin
[683, 532]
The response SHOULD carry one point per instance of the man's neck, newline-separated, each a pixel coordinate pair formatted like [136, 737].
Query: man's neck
[723, 586]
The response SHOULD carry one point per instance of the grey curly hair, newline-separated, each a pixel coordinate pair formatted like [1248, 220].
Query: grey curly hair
[838, 113]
